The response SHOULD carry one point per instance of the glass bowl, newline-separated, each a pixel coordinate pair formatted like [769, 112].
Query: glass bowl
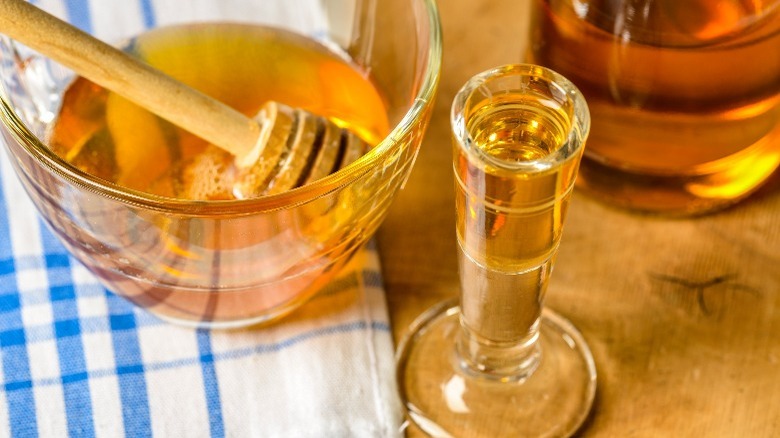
[228, 263]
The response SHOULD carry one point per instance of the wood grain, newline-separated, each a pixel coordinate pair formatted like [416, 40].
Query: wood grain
[682, 315]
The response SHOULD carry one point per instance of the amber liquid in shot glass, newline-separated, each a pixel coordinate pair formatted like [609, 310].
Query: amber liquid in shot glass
[509, 223]
[499, 364]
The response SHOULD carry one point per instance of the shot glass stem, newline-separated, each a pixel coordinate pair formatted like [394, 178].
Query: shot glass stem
[500, 317]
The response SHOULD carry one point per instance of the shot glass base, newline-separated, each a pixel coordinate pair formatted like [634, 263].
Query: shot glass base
[445, 401]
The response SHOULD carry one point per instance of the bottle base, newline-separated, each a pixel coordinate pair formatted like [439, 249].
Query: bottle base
[674, 195]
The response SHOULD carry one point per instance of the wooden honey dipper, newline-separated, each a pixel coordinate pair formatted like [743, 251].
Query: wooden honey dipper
[277, 150]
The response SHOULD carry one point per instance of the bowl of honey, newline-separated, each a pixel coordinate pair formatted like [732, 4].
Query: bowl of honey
[147, 206]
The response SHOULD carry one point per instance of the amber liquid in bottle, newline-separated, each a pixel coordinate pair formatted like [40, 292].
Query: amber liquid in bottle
[685, 96]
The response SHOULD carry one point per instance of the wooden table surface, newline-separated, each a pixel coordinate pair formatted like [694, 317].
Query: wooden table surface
[682, 315]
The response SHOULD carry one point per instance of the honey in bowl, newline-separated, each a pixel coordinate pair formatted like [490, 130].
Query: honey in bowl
[243, 66]
[262, 265]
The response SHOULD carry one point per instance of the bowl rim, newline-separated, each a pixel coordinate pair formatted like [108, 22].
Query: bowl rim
[286, 200]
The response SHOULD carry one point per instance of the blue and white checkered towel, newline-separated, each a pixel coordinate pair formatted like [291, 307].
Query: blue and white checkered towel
[76, 360]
